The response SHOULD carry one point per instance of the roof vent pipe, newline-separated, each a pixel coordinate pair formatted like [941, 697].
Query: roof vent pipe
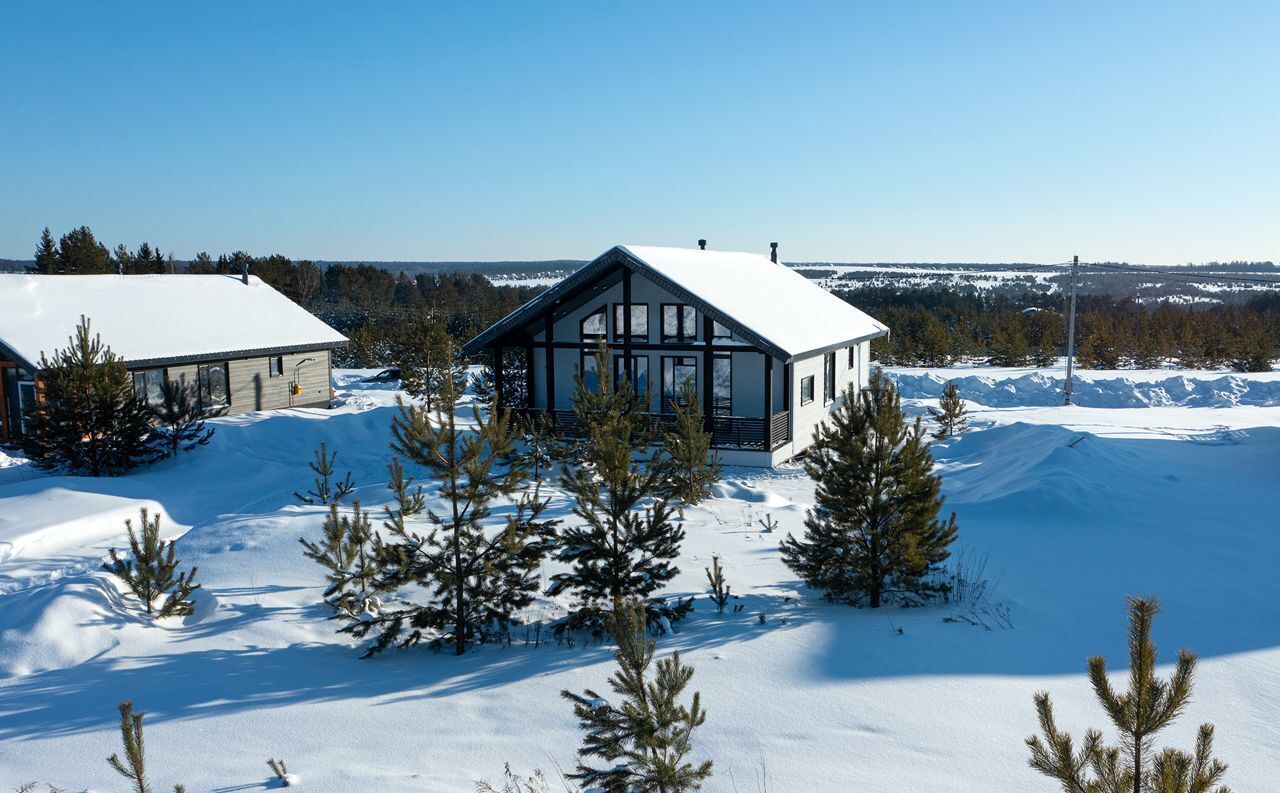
[702, 245]
[773, 252]
[244, 273]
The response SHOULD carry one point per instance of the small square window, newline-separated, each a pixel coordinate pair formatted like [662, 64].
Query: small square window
[275, 366]
[806, 390]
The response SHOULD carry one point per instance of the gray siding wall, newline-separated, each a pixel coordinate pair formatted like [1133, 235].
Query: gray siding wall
[254, 388]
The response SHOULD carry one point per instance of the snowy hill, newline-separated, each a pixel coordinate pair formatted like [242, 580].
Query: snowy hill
[1072, 508]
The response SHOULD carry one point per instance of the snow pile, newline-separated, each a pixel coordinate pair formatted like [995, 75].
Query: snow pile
[1042, 390]
[830, 697]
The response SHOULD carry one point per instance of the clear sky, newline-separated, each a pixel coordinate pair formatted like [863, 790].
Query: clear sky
[874, 131]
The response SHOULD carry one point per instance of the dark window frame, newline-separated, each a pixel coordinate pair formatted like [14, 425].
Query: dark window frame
[636, 362]
[719, 331]
[619, 326]
[275, 366]
[683, 361]
[603, 311]
[806, 382]
[721, 406]
[828, 378]
[682, 310]
[583, 357]
[853, 356]
[163, 374]
[203, 387]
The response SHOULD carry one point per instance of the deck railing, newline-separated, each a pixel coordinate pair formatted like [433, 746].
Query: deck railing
[727, 432]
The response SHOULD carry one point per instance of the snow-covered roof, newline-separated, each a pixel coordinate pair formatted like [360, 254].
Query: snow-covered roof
[156, 318]
[787, 314]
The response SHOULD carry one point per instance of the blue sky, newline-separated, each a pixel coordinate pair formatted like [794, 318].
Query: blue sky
[914, 131]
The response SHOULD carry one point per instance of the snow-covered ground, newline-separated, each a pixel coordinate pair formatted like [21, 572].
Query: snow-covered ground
[1074, 507]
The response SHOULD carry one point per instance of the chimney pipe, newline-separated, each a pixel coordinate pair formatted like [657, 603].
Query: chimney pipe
[773, 252]
[702, 245]
[244, 273]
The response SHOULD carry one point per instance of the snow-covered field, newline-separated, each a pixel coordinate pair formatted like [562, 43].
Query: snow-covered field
[1143, 487]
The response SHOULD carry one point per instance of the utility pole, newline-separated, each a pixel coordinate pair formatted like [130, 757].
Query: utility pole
[1071, 329]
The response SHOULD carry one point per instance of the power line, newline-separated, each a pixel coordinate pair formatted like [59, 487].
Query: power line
[1184, 275]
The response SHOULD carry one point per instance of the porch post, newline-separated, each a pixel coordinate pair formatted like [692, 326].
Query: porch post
[708, 362]
[497, 377]
[528, 376]
[626, 326]
[786, 386]
[549, 328]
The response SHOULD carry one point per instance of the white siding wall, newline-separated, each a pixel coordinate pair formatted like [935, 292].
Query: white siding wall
[805, 418]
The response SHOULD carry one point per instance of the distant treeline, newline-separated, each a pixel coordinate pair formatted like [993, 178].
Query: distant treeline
[937, 327]
[371, 305]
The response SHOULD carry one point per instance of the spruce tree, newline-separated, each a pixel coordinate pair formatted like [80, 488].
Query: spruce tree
[626, 542]
[46, 259]
[153, 571]
[134, 765]
[691, 466]
[874, 530]
[949, 415]
[87, 419]
[179, 421]
[1137, 715]
[347, 550]
[324, 489]
[476, 579]
[644, 742]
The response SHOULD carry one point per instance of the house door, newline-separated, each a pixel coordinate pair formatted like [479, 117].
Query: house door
[26, 396]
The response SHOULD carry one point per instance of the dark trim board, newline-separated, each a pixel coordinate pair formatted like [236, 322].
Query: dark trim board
[261, 352]
[643, 346]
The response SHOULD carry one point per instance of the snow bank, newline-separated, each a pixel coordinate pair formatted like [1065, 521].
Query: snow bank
[1040, 390]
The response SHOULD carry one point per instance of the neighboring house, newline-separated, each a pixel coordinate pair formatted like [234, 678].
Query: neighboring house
[768, 350]
[236, 342]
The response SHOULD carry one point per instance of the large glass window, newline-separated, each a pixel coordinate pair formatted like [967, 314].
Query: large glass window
[590, 377]
[639, 321]
[639, 372]
[829, 378]
[679, 322]
[806, 390]
[678, 373]
[722, 385]
[214, 391]
[148, 384]
[593, 326]
[719, 331]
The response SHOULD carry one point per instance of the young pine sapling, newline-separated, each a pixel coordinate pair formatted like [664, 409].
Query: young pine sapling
[1137, 715]
[134, 765]
[325, 490]
[153, 571]
[950, 415]
[179, 421]
[719, 587]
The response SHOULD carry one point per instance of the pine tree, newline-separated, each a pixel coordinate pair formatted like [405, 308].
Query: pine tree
[80, 253]
[626, 543]
[46, 255]
[645, 741]
[1138, 715]
[153, 571]
[179, 421]
[429, 361]
[324, 490]
[543, 444]
[476, 579]
[691, 466]
[874, 531]
[1009, 346]
[134, 765]
[87, 417]
[347, 551]
[950, 413]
